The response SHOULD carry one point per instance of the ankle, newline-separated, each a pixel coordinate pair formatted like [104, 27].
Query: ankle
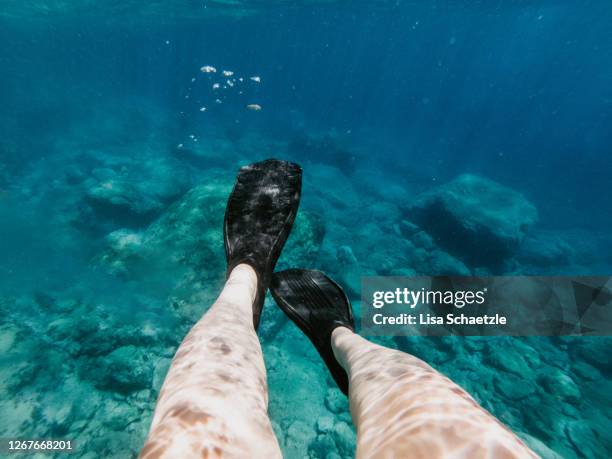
[245, 277]
[245, 272]
[339, 332]
[339, 343]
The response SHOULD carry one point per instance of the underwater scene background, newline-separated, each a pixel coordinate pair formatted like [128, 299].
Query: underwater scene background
[117, 156]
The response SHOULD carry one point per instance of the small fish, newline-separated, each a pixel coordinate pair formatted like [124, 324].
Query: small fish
[208, 69]
[228, 73]
[202, 109]
[230, 83]
[180, 145]
[254, 107]
[256, 79]
[193, 80]
[191, 136]
[241, 79]
[216, 86]
[218, 101]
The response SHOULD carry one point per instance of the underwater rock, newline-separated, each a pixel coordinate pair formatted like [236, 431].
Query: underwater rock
[323, 446]
[44, 300]
[539, 422]
[475, 219]
[350, 272]
[75, 336]
[59, 418]
[596, 351]
[406, 229]
[539, 447]
[583, 439]
[422, 239]
[74, 175]
[123, 252]
[8, 336]
[159, 373]
[385, 213]
[124, 370]
[23, 372]
[304, 243]
[184, 249]
[531, 356]
[346, 256]
[117, 414]
[61, 329]
[544, 249]
[586, 371]
[119, 200]
[380, 250]
[336, 401]
[325, 424]
[299, 436]
[135, 193]
[272, 322]
[506, 357]
[376, 182]
[345, 439]
[109, 335]
[189, 233]
[191, 230]
[561, 385]
[297, 382]
[440, 263]
[514, 387]
[342, 197]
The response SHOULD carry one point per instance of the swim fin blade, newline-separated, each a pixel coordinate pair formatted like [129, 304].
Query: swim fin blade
[317, 305]
[258, 219]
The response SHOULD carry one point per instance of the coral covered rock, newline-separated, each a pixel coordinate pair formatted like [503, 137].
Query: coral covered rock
[132, 195]
[120, 199]
[183, 249]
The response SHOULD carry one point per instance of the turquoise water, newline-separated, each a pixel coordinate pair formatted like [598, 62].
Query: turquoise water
[117, 156]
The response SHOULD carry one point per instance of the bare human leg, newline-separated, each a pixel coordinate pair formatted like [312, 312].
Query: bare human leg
[214, 400]
[404, 408]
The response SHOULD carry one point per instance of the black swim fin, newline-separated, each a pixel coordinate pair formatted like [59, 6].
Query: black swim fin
[258, 219]
[317, 305]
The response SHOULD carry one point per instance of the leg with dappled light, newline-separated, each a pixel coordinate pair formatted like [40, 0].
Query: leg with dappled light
[404, 408]
[214, 400]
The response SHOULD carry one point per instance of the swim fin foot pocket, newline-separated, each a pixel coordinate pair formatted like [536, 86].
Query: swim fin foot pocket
[258, 219]
[317, 305]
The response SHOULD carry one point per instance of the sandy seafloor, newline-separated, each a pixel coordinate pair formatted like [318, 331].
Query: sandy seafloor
[112, 191]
